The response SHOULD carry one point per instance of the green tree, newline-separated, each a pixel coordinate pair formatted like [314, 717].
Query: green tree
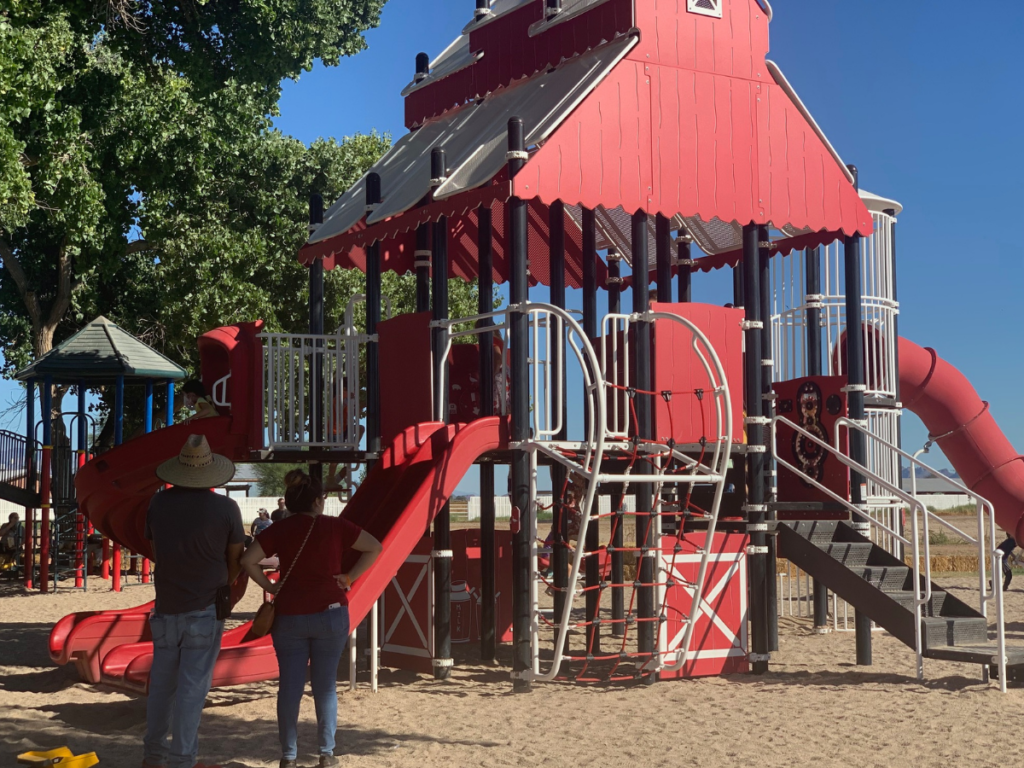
[139, 174]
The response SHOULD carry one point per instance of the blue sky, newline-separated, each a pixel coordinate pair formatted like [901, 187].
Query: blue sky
[924, 97]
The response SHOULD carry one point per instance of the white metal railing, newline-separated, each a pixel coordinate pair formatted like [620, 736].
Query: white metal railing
[986, 523]
[879, 308]
[922, 591]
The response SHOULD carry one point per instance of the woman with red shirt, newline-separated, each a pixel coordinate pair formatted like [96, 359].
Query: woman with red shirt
[311, 623]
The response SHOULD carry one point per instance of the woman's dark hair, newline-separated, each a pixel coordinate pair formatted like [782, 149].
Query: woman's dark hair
[194, 387]
[302, 491]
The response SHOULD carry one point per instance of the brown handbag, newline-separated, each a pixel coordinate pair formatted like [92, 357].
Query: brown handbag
[264, 620]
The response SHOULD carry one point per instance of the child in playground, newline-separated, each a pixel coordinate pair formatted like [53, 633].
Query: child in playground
[1007, 548]
[311, 623]
[194, 396]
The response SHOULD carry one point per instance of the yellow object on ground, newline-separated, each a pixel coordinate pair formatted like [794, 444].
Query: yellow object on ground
[61, 756]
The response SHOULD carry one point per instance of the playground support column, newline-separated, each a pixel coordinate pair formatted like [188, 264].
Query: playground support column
[422, 263]
[316, 328]
[373, 302]
[148, 426]
[559, 522]
[81, 541]
[485, 304]
[169, 414]
[891, 213]
[855, 402]
[764, 256]
[592, 566]
[442, 553]
[618, 559]
[812, 272]
[663, 257]
[118, 439]
[647, 531]
[46, 408]
[522, 658]
[28, 564]
[756, 506]
[684, 262]
[737, 286]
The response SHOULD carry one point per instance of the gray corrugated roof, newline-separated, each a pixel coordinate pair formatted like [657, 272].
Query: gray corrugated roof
[102, 350]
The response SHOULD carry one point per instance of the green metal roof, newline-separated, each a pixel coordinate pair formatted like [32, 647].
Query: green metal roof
[102, 350]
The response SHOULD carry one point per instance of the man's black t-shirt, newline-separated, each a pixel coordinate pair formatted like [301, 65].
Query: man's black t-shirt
[190, 529]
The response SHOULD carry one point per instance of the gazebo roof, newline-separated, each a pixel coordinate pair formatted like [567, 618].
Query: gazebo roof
[628, 105]
[101, 352]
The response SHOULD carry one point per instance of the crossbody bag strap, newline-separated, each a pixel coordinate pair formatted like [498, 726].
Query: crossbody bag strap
[297, 556]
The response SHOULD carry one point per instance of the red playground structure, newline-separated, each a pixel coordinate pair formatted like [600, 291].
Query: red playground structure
[601, 143]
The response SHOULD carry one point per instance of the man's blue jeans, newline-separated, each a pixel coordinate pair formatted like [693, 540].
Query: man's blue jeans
[185, 647]
[316, 640]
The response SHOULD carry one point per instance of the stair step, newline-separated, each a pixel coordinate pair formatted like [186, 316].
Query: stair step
[975, 654]
[852, 555]
[957, 631]
[906, 599]
[820, 532]
[886, 578]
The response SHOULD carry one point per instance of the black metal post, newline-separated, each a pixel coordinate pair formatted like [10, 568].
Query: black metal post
[552, 8]
[764, 257]
[422, 66]
[485, 304]
[422, 263]
[618, 540]
[373, 303]
[442, 523]
[737, 286]
[663, 257]
[316, 328]
[812, 277]
[559, 473]
[756, 507]
[684, 262]
[647, 529]
[520, 345]
[483, 8]
[856, 381]
[592, 566]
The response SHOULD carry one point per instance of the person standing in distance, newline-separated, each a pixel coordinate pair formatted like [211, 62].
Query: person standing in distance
[197, 540]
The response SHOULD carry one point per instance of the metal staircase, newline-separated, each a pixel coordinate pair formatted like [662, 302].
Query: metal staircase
[901, 599]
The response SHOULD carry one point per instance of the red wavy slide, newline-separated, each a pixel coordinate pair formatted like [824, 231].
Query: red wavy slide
[397, 501]
[960, 422]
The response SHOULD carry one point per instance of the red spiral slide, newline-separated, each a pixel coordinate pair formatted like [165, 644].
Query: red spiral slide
[960, 422]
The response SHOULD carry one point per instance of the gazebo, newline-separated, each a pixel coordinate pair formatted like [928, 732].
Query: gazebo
[101, 354]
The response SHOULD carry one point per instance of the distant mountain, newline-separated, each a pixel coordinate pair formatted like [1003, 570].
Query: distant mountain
[921, 473]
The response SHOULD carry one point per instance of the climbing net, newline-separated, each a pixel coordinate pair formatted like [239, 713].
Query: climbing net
[616, 617]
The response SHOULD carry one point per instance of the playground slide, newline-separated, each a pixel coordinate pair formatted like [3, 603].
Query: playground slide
[960, 422]
[397, 501]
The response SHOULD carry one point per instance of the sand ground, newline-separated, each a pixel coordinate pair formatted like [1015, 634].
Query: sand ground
[815, 707]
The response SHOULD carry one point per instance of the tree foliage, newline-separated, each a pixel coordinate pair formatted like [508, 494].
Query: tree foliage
[141, 177]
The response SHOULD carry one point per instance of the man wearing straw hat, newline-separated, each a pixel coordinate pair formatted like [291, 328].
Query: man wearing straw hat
[197, 539]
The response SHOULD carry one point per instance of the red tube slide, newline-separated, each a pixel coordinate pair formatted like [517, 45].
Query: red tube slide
[961, 424]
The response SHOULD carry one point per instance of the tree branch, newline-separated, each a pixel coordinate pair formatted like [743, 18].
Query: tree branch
[137, 246]
[13, 266]
[63, 299]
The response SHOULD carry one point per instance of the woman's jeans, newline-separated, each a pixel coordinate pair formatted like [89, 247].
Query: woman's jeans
[316, 640]
[185, 648]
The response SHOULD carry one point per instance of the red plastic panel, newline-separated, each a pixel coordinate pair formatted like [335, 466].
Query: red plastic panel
[734, 45]
[466, 568]
[407, 632]
[718, 644]
[677, 369]
[601, 154]
[815, 403]
[236, 350]
[510, 54]
[950, 407]
[405, 378]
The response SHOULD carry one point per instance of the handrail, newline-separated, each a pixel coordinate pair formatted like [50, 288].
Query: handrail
[920, 600]
[981, 505]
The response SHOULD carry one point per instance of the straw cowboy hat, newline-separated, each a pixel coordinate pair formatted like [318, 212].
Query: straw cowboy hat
[196, 466]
